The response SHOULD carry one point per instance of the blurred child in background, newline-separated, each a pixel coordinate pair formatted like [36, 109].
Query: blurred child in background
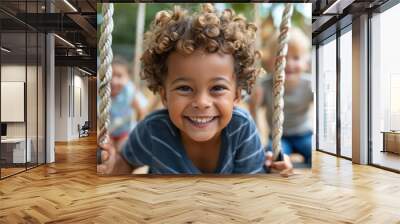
[127, 101]
[298, 96]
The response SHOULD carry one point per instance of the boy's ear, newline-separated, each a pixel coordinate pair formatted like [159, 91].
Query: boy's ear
[163, 96]
[238, 96]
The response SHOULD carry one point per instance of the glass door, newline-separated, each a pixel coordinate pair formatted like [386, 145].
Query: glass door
[327, 96]
[13, 103]
[22, 68]
[346, 93]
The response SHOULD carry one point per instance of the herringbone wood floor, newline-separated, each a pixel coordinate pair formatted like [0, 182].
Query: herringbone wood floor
[69, 191]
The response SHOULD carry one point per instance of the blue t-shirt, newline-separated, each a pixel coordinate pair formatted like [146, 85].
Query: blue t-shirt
[156, 142]
[121, 111]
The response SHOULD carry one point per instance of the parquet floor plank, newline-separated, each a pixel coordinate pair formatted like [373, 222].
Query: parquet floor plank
[70, 191]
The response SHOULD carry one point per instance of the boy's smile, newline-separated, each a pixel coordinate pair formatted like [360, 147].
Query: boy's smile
[201, 122]
[199, 92]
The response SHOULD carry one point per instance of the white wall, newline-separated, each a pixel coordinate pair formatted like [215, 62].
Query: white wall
[61, 104]
[80, 94]
[12, 73]
[71, 87]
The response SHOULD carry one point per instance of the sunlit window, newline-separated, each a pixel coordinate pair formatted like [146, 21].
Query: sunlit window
[346, 94]
[385, 86]
[327, 97]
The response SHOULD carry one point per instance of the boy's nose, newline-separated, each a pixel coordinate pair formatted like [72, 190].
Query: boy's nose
[201, 101]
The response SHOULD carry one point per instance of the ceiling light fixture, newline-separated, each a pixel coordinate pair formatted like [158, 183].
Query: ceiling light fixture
[70, 5]
[84, 71]
[79, 51]
[5, 50]
[337, 7]
[328, 10]
[64, 40]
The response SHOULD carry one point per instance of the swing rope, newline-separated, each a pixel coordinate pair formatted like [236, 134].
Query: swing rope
[105, 71]
[279, 81]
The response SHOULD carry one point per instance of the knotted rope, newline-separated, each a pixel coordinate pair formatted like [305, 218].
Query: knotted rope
[279, 81]
[105, 71]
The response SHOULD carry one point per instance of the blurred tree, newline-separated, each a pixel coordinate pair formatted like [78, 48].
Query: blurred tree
[245, 9]
[125, 20]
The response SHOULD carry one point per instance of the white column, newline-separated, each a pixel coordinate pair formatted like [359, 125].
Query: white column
[313, 87]
[50, 110]
[50, 92]
[360, 90]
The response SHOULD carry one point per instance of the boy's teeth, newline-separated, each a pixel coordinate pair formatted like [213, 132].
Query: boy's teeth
[201, 119]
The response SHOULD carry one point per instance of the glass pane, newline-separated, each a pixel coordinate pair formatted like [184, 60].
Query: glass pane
[22, 87]
[13, 86]
[386, 89]
[32, 86]
[346, 94]
[327, 97]
[31, 98]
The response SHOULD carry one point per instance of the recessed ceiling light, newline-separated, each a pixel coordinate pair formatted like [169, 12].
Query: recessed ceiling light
[70, 5]
[5, 50]
[337, 7]
[84, 71]
[64, 40]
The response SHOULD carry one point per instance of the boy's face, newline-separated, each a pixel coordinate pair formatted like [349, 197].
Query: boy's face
[119, 78]
[200, 92]
[296, 60]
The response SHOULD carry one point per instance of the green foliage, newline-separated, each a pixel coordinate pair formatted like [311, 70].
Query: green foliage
[125, 20]
[245, 9]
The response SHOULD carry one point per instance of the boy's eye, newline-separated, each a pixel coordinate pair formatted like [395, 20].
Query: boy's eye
[184, 89]
[218, 88]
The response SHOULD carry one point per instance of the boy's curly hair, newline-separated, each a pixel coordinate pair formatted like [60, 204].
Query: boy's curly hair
[208, 30]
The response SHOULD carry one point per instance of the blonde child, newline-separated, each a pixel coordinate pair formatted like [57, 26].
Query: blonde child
[297, 126]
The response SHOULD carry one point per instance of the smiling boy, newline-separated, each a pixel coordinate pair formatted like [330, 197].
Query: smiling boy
[199, 64]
